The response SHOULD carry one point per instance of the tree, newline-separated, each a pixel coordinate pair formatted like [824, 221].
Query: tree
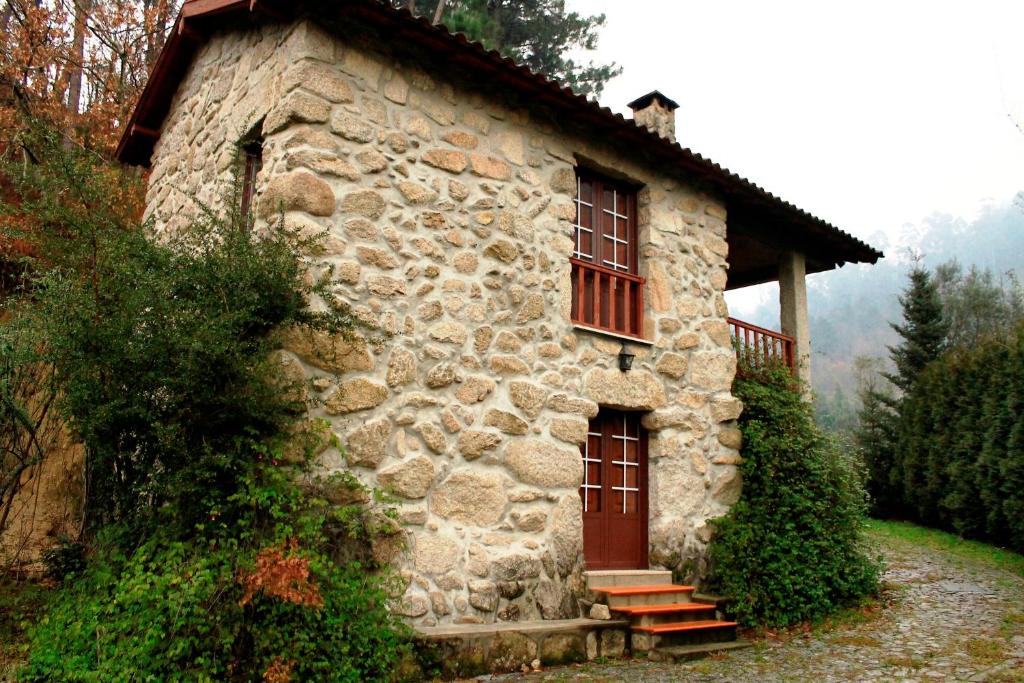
[975, 305]
[79, 65]
[924, 329]
[875, 435]
[536, 33]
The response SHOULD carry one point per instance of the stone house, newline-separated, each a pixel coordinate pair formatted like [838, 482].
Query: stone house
[553, 392]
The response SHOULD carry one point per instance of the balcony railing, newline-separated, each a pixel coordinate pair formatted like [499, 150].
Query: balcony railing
[759, 346]
[607, 300]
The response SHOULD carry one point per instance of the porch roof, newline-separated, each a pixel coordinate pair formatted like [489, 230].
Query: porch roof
[761, 225]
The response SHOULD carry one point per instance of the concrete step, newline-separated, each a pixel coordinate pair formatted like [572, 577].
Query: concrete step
[657, 594]
[606, 578]
[676, 653]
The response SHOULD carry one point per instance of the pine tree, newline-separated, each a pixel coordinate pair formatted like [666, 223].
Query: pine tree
[924, 330]
[875, 436]
[536, 33]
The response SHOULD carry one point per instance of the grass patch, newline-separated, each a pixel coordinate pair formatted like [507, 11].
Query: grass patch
[903, 662]
[984, 650]
[974, 551]
[1013, 624]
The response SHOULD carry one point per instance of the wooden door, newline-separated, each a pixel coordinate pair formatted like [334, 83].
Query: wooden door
[614, 492]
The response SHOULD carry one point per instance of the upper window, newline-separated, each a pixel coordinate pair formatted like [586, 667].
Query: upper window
[253, 161]
[605, 223]
[607, 291]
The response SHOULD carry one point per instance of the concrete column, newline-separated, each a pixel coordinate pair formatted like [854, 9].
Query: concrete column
[793, 310]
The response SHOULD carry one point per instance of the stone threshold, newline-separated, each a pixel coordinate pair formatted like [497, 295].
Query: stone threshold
[525, 627]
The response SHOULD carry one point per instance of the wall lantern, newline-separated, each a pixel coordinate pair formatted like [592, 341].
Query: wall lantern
[625, 359]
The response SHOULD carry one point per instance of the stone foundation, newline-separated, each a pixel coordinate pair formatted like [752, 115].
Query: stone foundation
[447, 211]
[465, 651]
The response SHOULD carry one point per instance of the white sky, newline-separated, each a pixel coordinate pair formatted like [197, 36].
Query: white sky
[869, 114]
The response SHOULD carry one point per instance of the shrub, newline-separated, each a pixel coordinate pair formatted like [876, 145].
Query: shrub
[210, 553]
[250, 598]
[790, 549]
[959, 451]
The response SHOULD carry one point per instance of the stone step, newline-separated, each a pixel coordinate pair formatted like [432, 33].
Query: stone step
[676, 653]
[606, 578]
[658, 594]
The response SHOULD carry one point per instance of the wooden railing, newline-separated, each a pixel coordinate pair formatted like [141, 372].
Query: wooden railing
[606, 299]
[759, 346]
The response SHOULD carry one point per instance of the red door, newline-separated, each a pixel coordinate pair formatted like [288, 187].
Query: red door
[614, 492]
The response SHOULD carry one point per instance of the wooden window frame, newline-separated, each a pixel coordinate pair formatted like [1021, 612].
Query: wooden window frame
[599, 229]
[252, 153]
[607, 294]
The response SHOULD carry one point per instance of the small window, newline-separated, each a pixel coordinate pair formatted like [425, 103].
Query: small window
[252, 153]
[607, 290]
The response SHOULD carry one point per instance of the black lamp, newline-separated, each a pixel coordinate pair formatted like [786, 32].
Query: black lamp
[625, 359]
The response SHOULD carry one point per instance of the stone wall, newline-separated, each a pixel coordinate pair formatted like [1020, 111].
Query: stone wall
[448, 211]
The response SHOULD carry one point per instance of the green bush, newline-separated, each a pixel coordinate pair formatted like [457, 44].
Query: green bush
[259, 593]
[212, 553]
[790, 550]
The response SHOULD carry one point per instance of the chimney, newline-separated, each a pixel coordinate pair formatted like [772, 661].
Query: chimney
[657, 113]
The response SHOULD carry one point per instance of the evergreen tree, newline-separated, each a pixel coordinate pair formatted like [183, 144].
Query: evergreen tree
[538, 34]
[1001, 404]
[1012, 466]
[924, 330]
[875, 435]
[965, 425]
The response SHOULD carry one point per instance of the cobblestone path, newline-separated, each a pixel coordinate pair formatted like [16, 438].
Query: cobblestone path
[949, 618]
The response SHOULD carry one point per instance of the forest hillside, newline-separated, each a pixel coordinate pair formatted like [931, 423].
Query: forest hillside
[851, 308]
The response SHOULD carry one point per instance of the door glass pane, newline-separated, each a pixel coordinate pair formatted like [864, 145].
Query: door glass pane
[591, 491]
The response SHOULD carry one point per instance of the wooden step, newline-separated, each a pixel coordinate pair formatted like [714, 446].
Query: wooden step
[658, 594]
[685, 626]
[638, 610]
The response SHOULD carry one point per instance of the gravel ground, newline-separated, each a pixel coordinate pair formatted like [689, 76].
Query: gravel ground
[944, 618]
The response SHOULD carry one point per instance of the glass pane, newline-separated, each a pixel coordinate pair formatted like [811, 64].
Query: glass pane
[586, 189]
[631, 477]
[632, 451]
[607, 239]
[593, 500]
[608, 199]
[631, 502]
[632, 426]
[593, 473]
[622, 248]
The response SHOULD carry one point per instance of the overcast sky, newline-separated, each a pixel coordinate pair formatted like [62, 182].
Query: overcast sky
[871, 115]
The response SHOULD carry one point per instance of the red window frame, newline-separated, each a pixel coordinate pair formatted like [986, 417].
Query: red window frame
[607, 288]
